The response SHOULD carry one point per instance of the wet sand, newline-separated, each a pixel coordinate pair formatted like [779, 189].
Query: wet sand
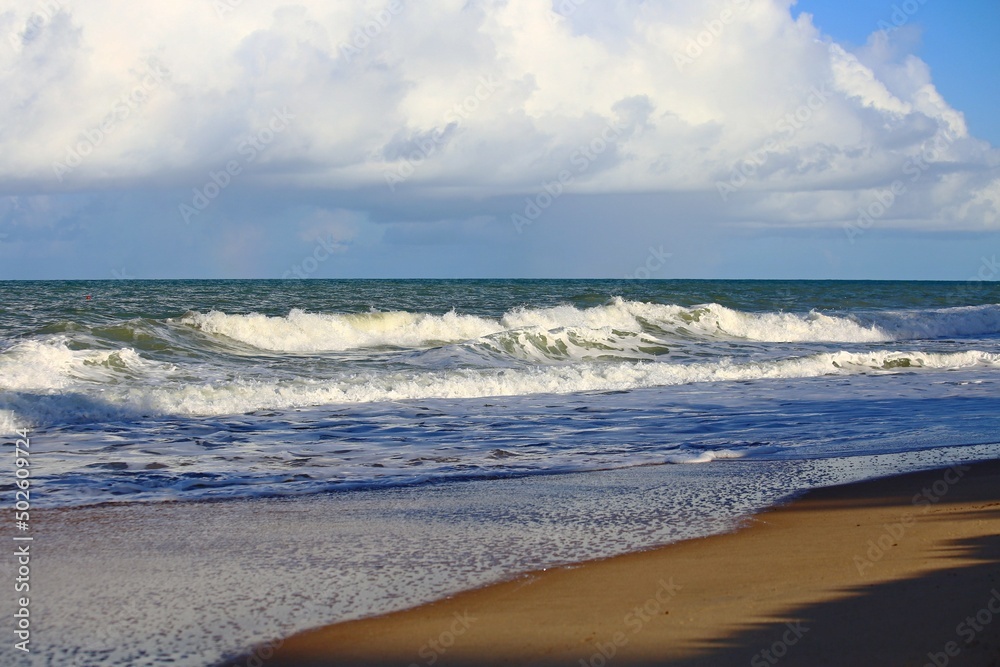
[897, 571]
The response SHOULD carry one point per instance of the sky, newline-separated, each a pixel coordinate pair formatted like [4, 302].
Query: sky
[855, 139]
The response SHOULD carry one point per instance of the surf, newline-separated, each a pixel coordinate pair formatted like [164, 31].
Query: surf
[51, 383]
[301, 331]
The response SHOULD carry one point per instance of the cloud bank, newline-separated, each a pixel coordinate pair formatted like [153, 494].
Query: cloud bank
[366, 102]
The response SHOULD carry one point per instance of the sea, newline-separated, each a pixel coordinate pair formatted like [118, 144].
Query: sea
[689, 403]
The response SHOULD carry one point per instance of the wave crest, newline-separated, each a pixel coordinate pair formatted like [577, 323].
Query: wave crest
[237, 395]
[612, 325]
[300, 331]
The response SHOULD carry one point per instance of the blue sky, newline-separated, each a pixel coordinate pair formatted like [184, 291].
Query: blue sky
[489, 138]
[957, 39]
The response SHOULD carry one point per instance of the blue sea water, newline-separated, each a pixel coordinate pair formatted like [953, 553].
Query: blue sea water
[388, 443]
[145, 391]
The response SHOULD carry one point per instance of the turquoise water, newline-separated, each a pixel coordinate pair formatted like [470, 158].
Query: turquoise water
[174, 390]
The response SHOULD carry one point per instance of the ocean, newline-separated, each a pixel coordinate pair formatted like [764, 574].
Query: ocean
[145, 391]
[383, 443]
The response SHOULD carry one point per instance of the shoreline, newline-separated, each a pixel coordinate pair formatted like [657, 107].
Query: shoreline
[210, 580]
[880, 572]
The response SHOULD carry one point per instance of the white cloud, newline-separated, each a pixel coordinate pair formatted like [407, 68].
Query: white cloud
[855, 80]
[483, 97]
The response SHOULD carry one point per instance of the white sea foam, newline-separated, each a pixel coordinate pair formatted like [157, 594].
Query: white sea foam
[780, 327]
[312, 332]
[69, 370]
[62, 379]
[571, 344]
[46, 381]
[47, 365]
[707, 456]
[602, 325]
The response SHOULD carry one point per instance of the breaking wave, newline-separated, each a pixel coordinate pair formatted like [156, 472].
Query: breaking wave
[606, 326]
[51, 383]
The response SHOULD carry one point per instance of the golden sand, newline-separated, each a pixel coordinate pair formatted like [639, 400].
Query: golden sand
[892, 572]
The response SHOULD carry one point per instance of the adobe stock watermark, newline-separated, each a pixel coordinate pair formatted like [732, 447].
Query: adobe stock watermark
[695, 46]
[427, 146]
[886, 198]
[23, 541]
[370, 29]
[892, 533]
[249, 149]
[223, 7]
[121, 274]
[655, 260]
[788, 125]
[325, 248]
[38, 20]
[121, 109]
[436, 647]
[580, 161]
[262, 653]
[634, 622]
[773, 654]
[967, 630]
[901, 15]
[988, 271]
[564, 9]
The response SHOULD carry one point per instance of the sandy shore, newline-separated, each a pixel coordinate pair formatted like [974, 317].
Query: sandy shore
[900, 571]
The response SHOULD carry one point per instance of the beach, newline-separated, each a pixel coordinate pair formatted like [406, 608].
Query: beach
[897, 571]
[208, 581]
[229, 463]
[510, 333]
